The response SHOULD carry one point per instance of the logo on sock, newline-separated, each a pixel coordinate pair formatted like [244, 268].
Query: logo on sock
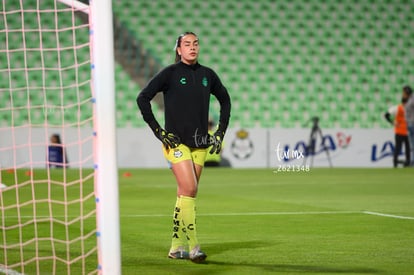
[176, 223]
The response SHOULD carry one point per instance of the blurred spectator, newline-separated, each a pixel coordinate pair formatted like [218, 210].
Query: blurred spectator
[56, 153]
[409, 114]
[401, 131]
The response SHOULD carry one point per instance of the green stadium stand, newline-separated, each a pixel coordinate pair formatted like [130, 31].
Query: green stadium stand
[283, 62]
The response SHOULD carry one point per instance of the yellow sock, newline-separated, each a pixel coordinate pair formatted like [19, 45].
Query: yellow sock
[178, 237]
[188, 216]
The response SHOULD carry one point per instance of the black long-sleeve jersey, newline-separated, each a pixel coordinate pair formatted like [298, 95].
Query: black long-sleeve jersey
[186, 90]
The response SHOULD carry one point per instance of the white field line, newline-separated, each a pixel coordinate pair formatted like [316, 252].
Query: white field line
[282, 213]
[252, 214]
[388, 215]
[9, 271]
[215, 214]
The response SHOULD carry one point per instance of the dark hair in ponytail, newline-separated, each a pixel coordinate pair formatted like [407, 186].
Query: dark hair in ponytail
[178, 43]
[408, 90]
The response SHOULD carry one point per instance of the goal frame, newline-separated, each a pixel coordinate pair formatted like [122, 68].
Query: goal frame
[106, 172]
[105, 158]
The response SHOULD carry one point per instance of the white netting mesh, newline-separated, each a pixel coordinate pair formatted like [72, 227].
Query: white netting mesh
[48, 216]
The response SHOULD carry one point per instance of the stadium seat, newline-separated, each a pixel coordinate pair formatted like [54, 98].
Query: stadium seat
[334, 48]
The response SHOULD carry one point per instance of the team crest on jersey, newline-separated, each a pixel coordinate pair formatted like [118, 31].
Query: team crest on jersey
[204, 81]
[178, 153]
[183, 80]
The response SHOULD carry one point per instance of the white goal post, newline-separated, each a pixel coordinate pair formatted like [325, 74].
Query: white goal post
[57, 75]
[106, 159]
[108, 232]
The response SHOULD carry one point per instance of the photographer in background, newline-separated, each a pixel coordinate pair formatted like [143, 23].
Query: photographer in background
[400, 129]
[409, 114]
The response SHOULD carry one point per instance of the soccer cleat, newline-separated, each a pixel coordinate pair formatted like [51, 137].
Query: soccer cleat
[197, 256]
[178, 254]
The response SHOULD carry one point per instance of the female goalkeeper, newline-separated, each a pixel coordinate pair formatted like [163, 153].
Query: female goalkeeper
[186, 86]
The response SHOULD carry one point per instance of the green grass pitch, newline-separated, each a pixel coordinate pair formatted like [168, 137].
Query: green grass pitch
[256, 221]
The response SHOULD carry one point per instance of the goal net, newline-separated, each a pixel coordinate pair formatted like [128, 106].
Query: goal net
[48, 194]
